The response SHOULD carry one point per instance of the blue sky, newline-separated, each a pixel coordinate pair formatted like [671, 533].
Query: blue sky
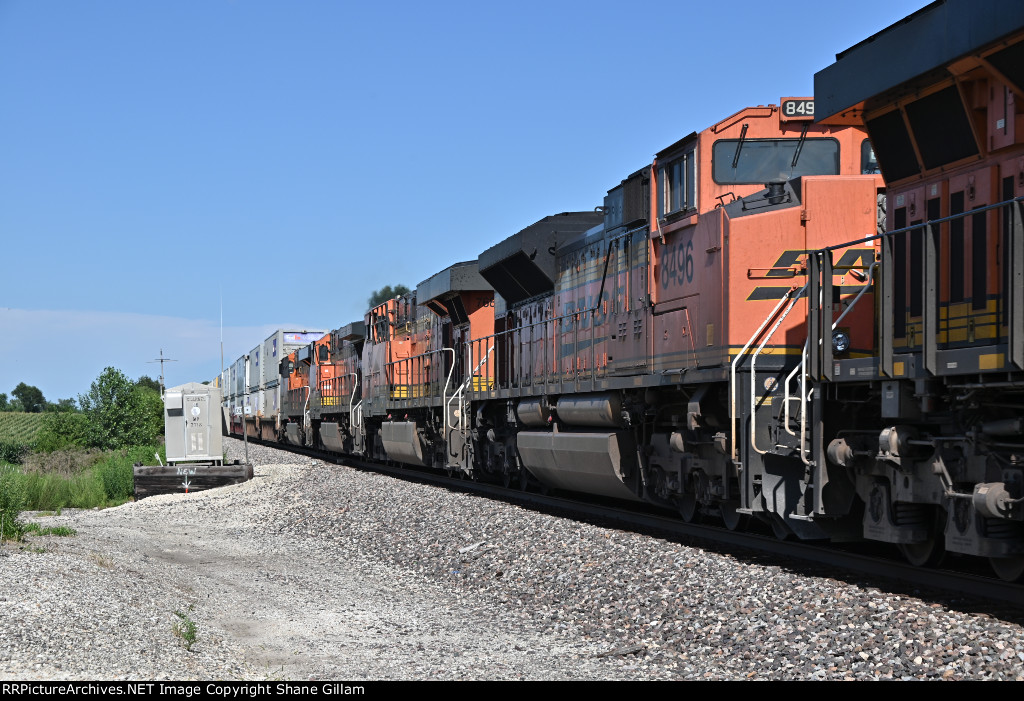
[288, 158]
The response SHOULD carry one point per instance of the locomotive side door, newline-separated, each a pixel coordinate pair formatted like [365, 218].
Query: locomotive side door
[628, 347]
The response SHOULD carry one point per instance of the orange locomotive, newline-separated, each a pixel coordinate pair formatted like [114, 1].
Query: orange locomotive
[933, 439]
[322, 381]
[416, 372]
[654, 355]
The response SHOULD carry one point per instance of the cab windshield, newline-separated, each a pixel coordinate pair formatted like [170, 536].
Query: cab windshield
[736, 161]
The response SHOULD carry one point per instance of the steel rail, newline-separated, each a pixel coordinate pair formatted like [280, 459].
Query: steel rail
[646, 518]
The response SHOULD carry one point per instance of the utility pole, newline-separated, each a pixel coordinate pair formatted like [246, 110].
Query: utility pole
[245, 424]
[162, 360]
[222, 333]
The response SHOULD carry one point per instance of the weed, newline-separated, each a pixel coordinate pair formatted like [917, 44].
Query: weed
[12, 501]
[53, 491]
[103, 561]
[185, 628]
[273, 675]
[13, 452]
[51, 530]
[66, 463]
[79, 479]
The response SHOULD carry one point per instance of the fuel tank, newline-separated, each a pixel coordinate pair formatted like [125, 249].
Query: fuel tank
[593, 463]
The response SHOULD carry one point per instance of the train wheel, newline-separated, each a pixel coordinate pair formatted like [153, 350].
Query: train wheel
[734, 520]
[1009, 569]
[687, 505]
[927, 553]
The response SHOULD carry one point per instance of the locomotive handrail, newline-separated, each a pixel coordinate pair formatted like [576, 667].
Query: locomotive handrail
[355, 421]
[821, 352]
[444, 395]
[355, 386]
[409, 364]
[864, 289]
[732, 372]
[753, 370]
[461, 391]
[802, 369]
[554, 322]
[913, 227]
[333, 385]
[789, 379]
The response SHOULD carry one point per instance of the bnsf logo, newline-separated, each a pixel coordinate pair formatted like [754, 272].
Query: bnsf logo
[853, 258]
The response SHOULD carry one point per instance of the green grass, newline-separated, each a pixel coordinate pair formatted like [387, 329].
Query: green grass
[50, 530]
[55, 482]
[185, 628]
[19, 427]
[12, 502]
[51, 492]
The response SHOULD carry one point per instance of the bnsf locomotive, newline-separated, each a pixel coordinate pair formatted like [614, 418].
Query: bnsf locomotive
[751, 326]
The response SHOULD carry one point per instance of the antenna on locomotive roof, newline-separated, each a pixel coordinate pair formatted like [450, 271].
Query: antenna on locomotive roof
[162, 360]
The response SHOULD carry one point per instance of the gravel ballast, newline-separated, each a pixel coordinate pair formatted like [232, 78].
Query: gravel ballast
[315, 571]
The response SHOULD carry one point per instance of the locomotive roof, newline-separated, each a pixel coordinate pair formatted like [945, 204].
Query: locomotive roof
[582, 240]
[523, 265]
[929, 39]
[461, 277]
[352, 332]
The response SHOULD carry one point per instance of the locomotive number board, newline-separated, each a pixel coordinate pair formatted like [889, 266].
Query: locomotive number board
[797, 108]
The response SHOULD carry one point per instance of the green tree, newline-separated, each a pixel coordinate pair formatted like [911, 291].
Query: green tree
[147, 381]
[62, 430]
[121, 413]
[385, 293]
[149, 409]
[62, 405]
[3, 402]
[31, 398]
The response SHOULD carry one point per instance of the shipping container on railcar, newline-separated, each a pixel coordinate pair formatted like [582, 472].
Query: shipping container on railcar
[223, 381]
[933, 428]
[280, 344]
[424, 392]
[635, 378]
[238, 381]
[251, 398]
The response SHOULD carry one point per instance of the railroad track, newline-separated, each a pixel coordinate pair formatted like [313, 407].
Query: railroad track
[846, 562]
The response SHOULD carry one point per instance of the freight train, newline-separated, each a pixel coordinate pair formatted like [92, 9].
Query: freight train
[752, 326]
